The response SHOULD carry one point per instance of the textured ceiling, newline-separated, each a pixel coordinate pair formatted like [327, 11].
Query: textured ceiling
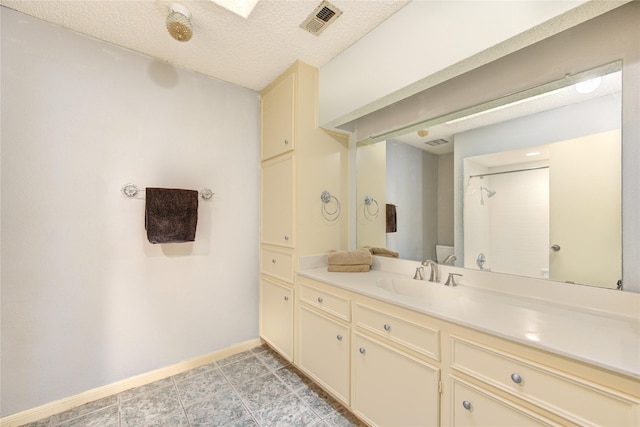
[248, 52]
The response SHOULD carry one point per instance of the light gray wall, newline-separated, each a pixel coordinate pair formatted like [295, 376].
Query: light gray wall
[86, 300]
[412, 185]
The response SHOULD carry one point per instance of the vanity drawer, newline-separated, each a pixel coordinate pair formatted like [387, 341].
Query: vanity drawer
[575, 399]
[278, 264]
[472, 406]
[326, 301]
[409, 334]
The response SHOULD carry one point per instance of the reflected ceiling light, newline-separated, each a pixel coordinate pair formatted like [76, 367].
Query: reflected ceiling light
[239, 7]
[502, 107]
[533, 153]
[588, 86]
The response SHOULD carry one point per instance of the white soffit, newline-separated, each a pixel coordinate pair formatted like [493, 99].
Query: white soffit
[239, 7]
[249, 52]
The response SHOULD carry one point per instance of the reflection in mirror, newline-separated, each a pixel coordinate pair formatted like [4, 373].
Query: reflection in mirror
[428, 182]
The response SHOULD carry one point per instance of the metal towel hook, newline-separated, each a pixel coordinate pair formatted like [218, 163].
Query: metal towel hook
[327, 198]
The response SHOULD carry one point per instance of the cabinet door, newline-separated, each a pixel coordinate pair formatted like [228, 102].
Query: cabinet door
[278, 118]
[323, 351]
[276, 316]
[471, 406]
[391, 388]
[276, 199]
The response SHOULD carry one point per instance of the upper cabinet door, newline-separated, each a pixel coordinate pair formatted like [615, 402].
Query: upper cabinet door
[277, 118]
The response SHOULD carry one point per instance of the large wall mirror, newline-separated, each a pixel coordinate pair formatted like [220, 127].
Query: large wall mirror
[527, 185]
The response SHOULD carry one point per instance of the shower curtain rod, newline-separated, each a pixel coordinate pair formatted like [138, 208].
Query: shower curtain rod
[500, 173]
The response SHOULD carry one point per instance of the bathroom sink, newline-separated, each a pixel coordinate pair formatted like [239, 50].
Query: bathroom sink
[417, 288]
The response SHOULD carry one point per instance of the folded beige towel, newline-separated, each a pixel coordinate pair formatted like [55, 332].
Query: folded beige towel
[357, 257]
[383, 252]
[358, 268]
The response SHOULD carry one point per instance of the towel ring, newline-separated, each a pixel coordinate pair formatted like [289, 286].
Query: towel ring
[368, 203]
[326, 198]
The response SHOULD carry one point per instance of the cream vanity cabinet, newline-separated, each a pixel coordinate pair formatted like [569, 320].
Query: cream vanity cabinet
[276, 199]
[276, 316]
[298, 161]
[500, 383]
[395, 373]
[323, 336]
[277, 118]
[398, 367]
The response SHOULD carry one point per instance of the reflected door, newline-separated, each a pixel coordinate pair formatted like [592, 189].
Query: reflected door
[585, 210]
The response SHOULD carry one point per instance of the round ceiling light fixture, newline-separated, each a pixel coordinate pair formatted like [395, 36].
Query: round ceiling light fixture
[423, 132]
[179, 23]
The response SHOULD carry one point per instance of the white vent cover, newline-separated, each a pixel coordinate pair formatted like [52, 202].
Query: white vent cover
[437, 142]
[324, 14]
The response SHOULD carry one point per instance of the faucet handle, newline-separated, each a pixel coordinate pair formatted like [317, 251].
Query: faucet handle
[419, 273]
[451, 280]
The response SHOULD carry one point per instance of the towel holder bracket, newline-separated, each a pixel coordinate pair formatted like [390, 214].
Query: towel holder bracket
[131, 191]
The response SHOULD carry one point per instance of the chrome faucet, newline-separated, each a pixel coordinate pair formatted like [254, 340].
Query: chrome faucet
[419, 273]
[449, 260]
[433, 275]
[451, 280]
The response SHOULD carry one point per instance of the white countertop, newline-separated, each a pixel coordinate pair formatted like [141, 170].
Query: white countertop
[602, 339]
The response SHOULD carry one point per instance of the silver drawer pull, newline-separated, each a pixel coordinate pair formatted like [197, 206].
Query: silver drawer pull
[320, 299]
[339, 337]
[516, 378]
[362, 350]
[274, 261]
[387, 327]
[286, 298]
[467, 405]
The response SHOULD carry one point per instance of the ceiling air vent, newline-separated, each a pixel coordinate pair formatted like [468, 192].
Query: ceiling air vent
[324, 14]
[437, 142]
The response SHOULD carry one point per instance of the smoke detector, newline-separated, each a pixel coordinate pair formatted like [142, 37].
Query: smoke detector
[320, 18]
[179, 23]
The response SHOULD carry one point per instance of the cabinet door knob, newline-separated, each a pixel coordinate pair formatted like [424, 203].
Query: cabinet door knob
[339, 337]
[273, 261]
[286, 142]
[387, 327]
[320, 299]
[516, 378]
[286, 298]
[286, 237]
[467, 405]
[362, 350]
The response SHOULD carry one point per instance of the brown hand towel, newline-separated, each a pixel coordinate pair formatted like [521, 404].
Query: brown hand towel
[357, 257]
[383, 252]
[392, 222]
[358, 268]
[171, 215]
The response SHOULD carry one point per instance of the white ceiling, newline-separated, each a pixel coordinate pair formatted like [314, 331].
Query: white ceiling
[249, 52]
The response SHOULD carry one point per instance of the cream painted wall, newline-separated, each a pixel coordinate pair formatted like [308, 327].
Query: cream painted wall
[371, 181]
[86, 300]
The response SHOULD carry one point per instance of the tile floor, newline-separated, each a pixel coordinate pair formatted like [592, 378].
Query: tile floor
[253, 388]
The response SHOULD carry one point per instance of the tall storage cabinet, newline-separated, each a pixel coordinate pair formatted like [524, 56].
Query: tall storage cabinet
[298, 161]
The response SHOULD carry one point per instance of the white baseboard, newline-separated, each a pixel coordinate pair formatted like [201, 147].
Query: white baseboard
[62, 405]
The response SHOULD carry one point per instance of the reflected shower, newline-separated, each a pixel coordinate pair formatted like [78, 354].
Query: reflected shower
[490, 193]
